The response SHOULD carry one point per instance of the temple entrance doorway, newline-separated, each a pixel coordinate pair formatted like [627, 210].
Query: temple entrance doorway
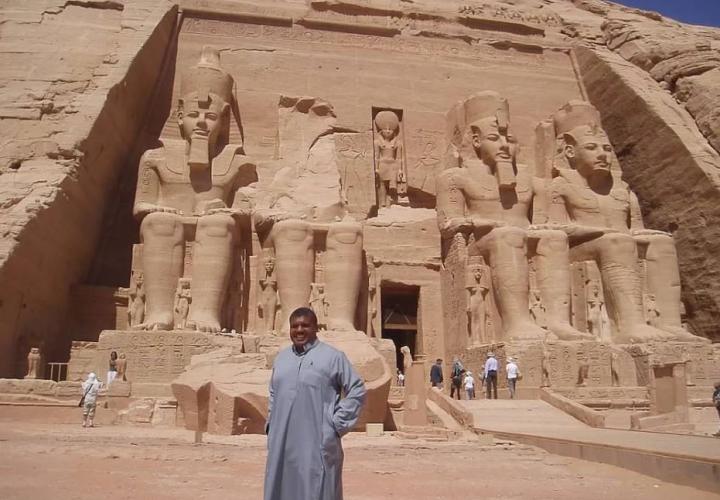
[399, 308]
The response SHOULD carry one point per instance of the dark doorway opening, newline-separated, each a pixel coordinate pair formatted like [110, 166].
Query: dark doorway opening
[399, 306]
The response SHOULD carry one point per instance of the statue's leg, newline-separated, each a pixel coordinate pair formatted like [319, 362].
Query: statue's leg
[294, 262]
[663, 280]
[382, 194]
[507, 252]
[163, 253]
[616, 255]
[553, 279]
[343, 273]
[212, 265]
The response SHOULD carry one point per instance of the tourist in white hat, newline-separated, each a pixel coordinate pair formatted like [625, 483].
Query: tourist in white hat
[88, 402]
[469, 384]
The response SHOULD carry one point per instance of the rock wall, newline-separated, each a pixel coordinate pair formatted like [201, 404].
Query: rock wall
[76, 82]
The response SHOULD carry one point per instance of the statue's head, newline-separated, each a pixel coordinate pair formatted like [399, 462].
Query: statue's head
[269, 265]
[487, 115]
[206, 103]
[35, 350]
[387, 124]
[477, 272]
[139, 278]
[184, 283]
[584, 143]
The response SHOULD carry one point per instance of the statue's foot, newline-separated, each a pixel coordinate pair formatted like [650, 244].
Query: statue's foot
[526, 330]
[641, 333]
[154, 324]
[204, 325]
[679, 334]
[565, 331]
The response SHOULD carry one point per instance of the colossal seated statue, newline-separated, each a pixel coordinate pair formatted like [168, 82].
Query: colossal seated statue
[302, 214]
[188, 191]
[489, 196]
[602, 218]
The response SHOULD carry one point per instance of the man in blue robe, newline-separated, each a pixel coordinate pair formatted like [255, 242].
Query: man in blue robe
[308, 415]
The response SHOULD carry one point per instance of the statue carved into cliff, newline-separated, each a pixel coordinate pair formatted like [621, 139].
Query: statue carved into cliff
[489, 196]
[192, 190]
[372, 295]
[268, 304]
[596, 313]
[390, 166]
[136, 300]
[303, 213]
[478, 289]
[407, 358]
[602, 218]
[319, 303]
[33, 360]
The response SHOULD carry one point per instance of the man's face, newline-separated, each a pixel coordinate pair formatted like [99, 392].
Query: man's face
[492, 145]
[592, 153]
[303, 330]
[201, 118]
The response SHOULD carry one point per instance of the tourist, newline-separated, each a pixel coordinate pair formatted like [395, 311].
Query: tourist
[436, 374]
[112, 370]
[456, 377]
[469, 383]
[308, 415]
[716, 402]
[90, 389]
[511, 368]
[490, 376]
[400, 378]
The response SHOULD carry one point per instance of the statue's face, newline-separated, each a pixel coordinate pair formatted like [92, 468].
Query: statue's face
[200, 118]
[492, 145]
[591, 154]
[387, 133]
[269, 266]
[478, 274]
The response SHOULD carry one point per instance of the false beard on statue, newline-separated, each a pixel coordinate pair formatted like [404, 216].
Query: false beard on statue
[505, 173]
[199, 157]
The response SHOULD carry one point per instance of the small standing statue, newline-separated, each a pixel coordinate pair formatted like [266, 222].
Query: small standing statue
[268, 305]
[545, 368]
[389, 159]
[372, 296]
[121, 366]
[615, 369]
[319, 303]
[652, 314]
[136, 300]
[183, 298]
[477, 307]
[33, 363]
[407, 358]
[597, 325]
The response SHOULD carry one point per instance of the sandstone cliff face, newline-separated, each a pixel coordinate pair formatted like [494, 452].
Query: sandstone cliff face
[79, 102]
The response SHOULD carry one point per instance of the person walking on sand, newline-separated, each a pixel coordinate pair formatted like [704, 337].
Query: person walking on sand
[511, 368]
[490, 376]
[436, 374]
[90, 389]
[469, 383]
[716, 402]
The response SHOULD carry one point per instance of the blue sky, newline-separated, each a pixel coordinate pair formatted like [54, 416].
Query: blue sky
[704, 12]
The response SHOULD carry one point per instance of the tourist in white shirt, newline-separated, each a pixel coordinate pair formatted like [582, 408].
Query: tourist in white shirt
[469, 383]
[512, 375]
[490, 376]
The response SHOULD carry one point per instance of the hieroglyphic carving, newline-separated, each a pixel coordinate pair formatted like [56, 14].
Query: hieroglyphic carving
[505, 12]
[424, 157]
[353, 153]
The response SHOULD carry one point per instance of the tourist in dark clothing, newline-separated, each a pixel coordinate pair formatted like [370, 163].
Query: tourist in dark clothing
[436, 375]
[716, 402]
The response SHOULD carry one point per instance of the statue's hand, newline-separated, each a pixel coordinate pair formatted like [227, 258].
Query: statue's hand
[150, 208]
[480, 223]
[233, 212]
[648, 232]
[456, 224]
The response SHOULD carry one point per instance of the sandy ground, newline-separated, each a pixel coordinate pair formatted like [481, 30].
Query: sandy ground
[62, 461]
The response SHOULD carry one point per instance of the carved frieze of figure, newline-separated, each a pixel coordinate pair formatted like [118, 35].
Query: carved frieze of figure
[33, 361]
[319, 303]
[489, 196]
[478, 289]
[652, 315]
[537, 310]
[268, 304]
[602, 218]
[136, 300]
[583, 371]
[183, 298]
[390, 166]
[193, 189]
[545, 367]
